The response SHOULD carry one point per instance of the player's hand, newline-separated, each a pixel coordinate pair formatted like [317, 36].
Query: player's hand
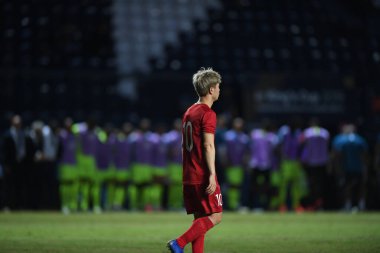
[212, 185]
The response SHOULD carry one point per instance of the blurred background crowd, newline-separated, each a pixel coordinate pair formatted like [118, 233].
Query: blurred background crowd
[297, 166]
[107, 62]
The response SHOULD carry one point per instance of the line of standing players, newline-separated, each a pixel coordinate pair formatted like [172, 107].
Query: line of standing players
[116, 169]
[106, 168]
[292, 168]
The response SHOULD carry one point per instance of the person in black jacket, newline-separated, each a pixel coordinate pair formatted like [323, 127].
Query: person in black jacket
[17, 151]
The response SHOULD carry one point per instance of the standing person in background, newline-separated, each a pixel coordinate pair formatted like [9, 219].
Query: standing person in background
[201, 189]
[87, 144]
[263, 144]
[315, 158]
[68, 169]
[290, 168]
[52, 150]
[37, 177]
[351, 151]
[122, 160]
[175, 166]
[236, 160]
[160, 166]
[17, 151]
[104, 174]
[220, 144]
[141, 167]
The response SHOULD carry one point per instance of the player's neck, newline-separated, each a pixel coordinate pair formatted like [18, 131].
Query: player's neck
[205, 100]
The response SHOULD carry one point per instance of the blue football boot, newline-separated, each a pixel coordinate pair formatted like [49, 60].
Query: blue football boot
[174, 247]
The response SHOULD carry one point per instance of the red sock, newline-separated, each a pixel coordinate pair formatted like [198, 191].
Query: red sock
[200, 227]
[198, 244]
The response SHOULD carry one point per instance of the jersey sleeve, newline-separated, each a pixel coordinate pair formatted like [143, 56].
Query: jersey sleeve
[209, 122]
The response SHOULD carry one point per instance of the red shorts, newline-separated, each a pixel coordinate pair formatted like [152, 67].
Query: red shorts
[198, 201]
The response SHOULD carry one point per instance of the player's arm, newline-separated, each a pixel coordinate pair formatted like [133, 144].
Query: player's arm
[209, 152]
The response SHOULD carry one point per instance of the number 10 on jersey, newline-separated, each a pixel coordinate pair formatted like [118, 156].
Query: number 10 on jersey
[188, 135]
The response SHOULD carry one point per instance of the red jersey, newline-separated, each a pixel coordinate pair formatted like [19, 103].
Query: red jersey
[198, 119]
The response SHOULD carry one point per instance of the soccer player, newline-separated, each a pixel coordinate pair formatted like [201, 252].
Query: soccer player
[160, 166]
[68, 170]
[104, 171]
[262, 164]
[290, 167]
[141, 168]
[87, 144]
[122, 158]
[315, 157]
[17, 158]
[175, 166]
[201, 190]
[236, 154]
[352, 149]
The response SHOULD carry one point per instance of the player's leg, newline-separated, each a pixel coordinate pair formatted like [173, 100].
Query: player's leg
[157, 188]
[347, 193]
[200, 204]
[246, 194]
[361, 192]
[234, 176]
[283, 189]
[74, 189]
[296, 186]
[140, 191]
[198, 243]
[320, 184]
[97, 179]
[69, 187]
[133, 189]
[110, 181]
[275, 181]
[175, 187]
[84, 193]
[266, 192]
[259, 189]
[156, 193]
[84, 181]
[254, 189]
[355, 192]
[312, 187]
[122, 176]
[63, 188]
[146, 190]
[175, 196]
[199, 227]
[132, 192]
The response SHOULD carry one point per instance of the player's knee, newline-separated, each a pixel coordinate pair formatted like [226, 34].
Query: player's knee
[216, 218]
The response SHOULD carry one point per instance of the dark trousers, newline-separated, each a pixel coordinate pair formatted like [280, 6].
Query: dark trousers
[354, 187]
[44, 186]
[17, 183]
[260, 189]
[317, 184]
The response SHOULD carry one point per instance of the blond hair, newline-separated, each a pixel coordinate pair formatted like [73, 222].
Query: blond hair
[204, 79]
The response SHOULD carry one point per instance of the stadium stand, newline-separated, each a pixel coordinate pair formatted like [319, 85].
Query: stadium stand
[97, 54]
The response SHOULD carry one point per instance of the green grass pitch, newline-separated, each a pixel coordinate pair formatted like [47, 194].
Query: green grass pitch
[149, 232]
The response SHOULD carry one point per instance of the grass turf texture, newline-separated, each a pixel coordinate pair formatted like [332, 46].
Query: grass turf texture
[148, 233]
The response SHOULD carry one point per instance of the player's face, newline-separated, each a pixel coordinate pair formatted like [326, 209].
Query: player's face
[216, 92]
